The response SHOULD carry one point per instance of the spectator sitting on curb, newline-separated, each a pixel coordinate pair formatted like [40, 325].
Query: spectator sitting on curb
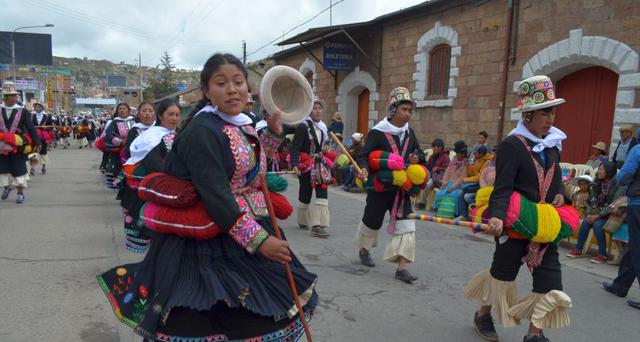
[437, 165]
[606, 192]
[348, 171]
[598, 156]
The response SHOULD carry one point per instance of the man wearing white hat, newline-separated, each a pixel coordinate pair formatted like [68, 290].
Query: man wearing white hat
[17, 139]
[527, 163]
[43, 123]
[310, 143]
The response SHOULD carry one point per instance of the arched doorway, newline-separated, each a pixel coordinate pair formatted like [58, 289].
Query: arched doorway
[363, 111]
[309, 77]
[588, 114]
[356, 100]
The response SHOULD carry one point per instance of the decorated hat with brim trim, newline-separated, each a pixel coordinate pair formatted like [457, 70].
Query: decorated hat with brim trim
[9, 88]
[399, 95]
[536, 93]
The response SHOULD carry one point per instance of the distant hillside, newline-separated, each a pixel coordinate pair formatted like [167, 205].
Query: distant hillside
[93, 73]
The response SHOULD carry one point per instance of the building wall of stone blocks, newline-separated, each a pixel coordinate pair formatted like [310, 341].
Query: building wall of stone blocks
[571, 30]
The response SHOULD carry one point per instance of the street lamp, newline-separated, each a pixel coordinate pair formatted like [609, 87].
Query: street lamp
[13, 47]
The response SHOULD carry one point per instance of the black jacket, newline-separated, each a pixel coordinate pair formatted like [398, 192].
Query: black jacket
[376, 140]
[302, 143]
[515, 171]
[46, 121]
[619, 163]
[202, 153]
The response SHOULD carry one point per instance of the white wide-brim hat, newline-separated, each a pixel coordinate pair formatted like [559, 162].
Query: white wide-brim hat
[577, 180]
[285, 89]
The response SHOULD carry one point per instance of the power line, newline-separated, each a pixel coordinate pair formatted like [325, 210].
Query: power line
[295, 27]
[82, 17]
[199, 18]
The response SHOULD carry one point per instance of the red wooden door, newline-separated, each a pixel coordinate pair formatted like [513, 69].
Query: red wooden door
[363, 111]
[587, 116]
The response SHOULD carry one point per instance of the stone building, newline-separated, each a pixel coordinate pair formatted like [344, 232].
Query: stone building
[462, 59]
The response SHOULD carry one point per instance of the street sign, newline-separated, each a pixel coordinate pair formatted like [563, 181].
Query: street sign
[339, 55]
[26, 84]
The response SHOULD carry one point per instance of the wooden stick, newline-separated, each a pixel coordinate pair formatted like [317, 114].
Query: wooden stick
[281, 172]
[473, 225]
[345, 152]
[287, 267]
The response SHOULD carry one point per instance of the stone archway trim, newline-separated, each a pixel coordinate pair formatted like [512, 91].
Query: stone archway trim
[592, 50]
[354, 79]
[437, 35]
[306, 66]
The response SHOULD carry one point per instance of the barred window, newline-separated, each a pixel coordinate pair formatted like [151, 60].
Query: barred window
[439, 63]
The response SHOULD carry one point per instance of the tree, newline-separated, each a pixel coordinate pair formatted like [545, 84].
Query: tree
[164, 83]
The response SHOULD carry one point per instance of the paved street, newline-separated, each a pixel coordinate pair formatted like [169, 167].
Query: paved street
[70, 228]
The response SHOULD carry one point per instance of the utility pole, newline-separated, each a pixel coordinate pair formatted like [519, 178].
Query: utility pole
[140, 77]
[244, 52]
[330, 12]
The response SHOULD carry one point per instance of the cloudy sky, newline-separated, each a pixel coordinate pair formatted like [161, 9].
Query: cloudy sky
[190, 30]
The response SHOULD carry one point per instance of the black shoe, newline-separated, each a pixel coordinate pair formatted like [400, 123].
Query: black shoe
[634, 304]
[535, 338]
[484, 327]
[5, 192]
[365, 258]
[303, 227]
[405, 276]
[319, 232]
[611, 288]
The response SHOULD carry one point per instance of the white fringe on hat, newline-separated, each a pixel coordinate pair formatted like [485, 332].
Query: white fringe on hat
[483, 289]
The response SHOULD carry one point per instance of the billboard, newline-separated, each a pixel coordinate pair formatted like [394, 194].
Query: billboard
[116, 81]
[31, 48]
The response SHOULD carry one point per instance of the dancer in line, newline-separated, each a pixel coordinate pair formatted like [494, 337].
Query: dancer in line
[115, 139]
[310, 143]
[45, 133]
[228, 284]
[527, 162]
[137, 241]
[392, 134]
[18, 137]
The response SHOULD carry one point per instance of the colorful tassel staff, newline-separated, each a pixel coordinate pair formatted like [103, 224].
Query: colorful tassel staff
[476, 227]
[281, 172]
